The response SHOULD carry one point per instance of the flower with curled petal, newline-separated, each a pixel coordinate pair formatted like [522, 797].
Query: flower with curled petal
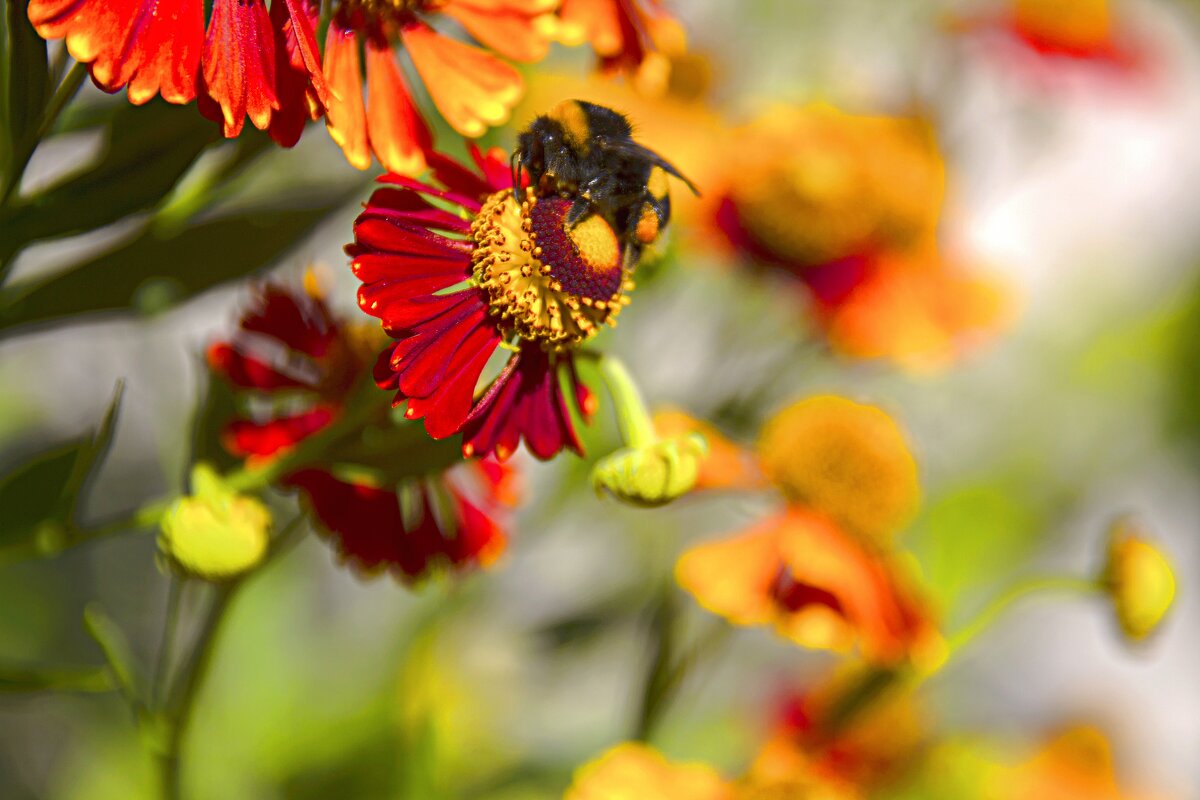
[292, 353]
[249, 61]
[496, 271]
[821, 571]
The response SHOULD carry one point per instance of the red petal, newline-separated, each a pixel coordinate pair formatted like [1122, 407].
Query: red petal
[239, 65]
[152, 46]
[346, 115]
[246, 438]
[249, 372]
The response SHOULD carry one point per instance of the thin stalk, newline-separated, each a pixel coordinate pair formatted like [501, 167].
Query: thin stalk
[162, 665]
[183, 705]
[634, 420]
[58, 101]
[1018, 591]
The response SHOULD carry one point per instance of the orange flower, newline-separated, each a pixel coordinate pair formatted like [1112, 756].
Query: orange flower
[1076, 27]
[871, 750]
[849, 205]
[251, 62]
[815, 584]
[907, 305]
[820, 572]
[1045, 35]
[633, 771]
[470, 86]
[1076, 763]
[633, 37]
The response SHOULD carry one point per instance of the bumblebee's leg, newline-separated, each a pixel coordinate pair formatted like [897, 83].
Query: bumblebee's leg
[579, 209]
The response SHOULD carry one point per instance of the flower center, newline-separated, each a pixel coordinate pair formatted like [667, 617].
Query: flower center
[548, 281]
[792, 595]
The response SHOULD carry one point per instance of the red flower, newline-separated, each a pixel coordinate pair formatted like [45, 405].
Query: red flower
[290, 342]
[529, 284]
[251, 62]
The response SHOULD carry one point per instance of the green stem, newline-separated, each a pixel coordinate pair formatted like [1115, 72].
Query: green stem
[196, 670]
[170, 624]
[879, 681]
[200, 662]
[58, 101]
[636, 424]
[1018, 591]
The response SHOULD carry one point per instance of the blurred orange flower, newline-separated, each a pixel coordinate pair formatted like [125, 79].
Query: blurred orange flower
[1055, 32]
[820, 571]
[631, 37]
[1076, 763]
[849, 205]
[633, 771]
[874, 748]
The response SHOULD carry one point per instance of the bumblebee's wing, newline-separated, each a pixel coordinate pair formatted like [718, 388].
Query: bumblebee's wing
[628, 147]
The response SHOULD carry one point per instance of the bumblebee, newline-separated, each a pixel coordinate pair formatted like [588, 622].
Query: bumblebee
[586, 153]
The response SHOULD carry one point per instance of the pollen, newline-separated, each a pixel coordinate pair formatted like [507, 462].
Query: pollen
[547, 281]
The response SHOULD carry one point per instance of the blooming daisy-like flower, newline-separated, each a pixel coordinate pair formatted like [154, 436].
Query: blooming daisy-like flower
[291, 350]
[249, 61]
[498, 272]
[821, 571]
[849, 205]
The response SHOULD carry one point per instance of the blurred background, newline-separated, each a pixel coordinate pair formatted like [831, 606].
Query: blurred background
[1071, 186]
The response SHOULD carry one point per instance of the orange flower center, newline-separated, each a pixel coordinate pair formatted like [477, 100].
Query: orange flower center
[546, 280]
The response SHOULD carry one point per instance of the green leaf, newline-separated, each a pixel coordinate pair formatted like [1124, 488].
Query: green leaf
[39, 500]
[115, 647]
[26, 86]
[153, 273]
[968, 537]
[54, 679]
[149, 148]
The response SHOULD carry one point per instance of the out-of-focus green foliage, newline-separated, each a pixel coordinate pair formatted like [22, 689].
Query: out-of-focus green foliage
[24, 83]
[40, 501]
[147, 150]
[163, 272]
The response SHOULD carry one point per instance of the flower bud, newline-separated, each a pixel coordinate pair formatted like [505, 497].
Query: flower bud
[214, 533]
[1139, 580]
[652, 475]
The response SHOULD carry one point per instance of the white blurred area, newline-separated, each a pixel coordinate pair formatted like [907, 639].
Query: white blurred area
[1085, 194]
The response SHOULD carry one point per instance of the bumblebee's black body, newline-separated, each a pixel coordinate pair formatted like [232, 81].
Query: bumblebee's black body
[586, 153]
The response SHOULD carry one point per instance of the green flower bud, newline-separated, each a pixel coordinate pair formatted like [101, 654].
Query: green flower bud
[215, 533]
[652, 475]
